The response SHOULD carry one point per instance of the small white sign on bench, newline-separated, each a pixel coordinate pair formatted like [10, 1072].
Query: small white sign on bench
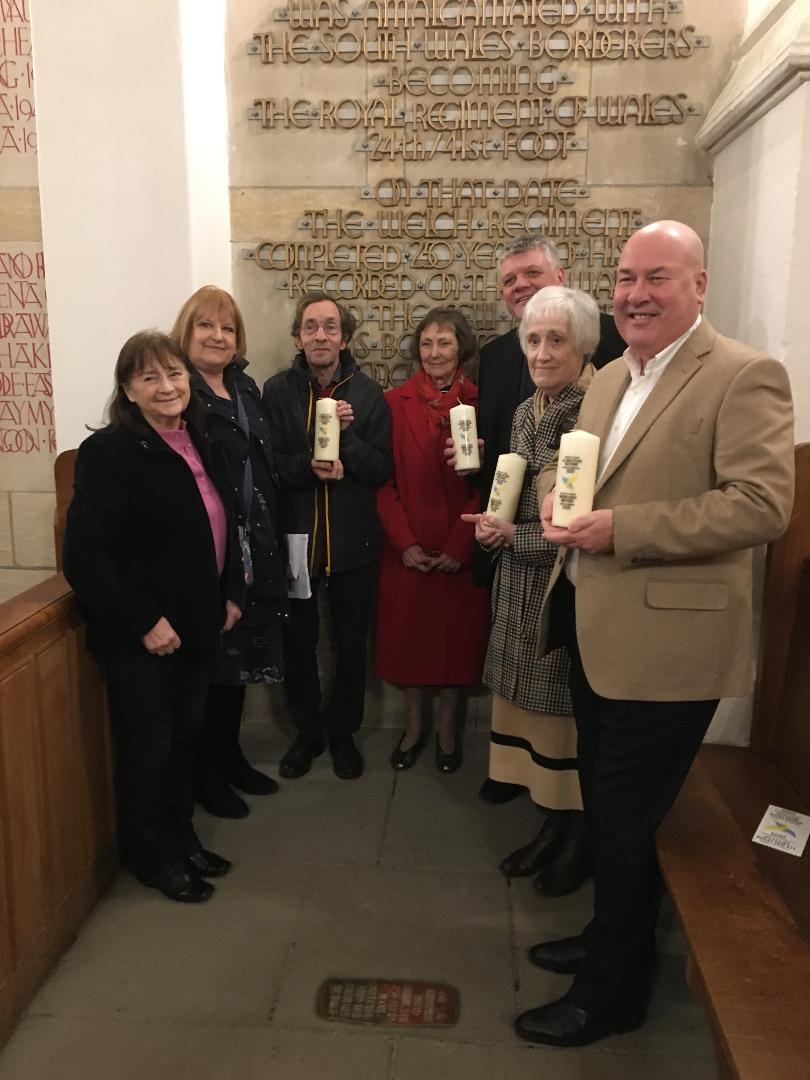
[783, 829]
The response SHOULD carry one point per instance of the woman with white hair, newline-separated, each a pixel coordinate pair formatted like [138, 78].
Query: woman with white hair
[533, 740]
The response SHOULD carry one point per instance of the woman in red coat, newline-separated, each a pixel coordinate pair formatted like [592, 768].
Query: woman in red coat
[432, 621]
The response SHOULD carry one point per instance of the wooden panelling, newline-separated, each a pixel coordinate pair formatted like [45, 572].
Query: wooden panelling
[24, 780]
[57, 825]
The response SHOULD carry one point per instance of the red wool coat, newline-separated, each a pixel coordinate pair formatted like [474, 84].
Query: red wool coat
[432, 628]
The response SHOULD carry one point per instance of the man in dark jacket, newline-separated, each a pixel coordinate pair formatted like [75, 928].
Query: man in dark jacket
[334, 504]
[525, 265]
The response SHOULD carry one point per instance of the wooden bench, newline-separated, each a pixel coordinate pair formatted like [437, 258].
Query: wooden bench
[745, 908]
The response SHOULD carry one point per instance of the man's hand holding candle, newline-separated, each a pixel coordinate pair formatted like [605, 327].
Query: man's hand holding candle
[592, 532]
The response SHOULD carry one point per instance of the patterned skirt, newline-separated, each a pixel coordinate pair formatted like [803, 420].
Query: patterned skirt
[537, 750]
[250, 654]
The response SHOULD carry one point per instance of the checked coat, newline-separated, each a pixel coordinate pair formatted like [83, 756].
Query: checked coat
[512, 668]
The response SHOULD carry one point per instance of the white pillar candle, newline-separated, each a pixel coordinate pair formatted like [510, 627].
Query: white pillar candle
[576, 476]
[327, 430]
[507, 486]
[465, 437]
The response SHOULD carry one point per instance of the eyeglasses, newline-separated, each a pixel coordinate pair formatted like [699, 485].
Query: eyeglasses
[331, 327]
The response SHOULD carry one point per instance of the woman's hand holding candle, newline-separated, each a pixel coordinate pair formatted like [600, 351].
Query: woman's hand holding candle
[491, 531]
[450, 456]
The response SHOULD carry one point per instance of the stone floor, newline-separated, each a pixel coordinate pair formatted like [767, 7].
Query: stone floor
[389, 876]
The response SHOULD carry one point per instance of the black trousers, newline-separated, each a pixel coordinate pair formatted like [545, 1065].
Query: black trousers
[219, 738]
[350, 596]
[156, 708]
[633, 758]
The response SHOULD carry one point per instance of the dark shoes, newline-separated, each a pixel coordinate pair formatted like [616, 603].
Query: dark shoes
[184, 885]
[406, 759]
[562, 956]
[572, 861]
[215, 796]
[207, 864]
[562, 1023]
[298, 759]
[496, 792]
[449, 763]
[242, 775]
[527, 860]
[347, 761]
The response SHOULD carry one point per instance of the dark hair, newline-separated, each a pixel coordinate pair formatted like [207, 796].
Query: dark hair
[209, 296]
[348, 323]
[145, 347]
[467, 342]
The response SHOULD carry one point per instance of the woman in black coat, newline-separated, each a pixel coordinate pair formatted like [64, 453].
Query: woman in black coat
[147, 551]
[210, 330]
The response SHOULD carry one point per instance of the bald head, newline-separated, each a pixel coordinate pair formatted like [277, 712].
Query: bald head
[660, 286]
[672, 236]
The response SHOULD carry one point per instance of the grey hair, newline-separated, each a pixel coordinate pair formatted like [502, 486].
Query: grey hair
[529, 242]
[580, 311]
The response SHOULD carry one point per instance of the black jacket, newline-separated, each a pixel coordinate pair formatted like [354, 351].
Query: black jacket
[138, 544]
[352, 529]
[266, 599]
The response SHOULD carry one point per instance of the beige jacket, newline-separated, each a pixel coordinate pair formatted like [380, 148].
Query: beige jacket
[703, 474]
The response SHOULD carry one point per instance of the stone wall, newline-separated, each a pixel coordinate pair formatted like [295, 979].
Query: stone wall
[385, 150]
[26, 403]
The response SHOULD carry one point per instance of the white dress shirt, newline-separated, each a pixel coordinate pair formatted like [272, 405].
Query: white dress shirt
[642, 384]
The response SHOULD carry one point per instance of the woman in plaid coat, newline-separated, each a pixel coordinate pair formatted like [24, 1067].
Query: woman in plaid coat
[533, 740]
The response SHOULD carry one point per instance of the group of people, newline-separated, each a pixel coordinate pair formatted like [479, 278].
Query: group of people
[204, 525]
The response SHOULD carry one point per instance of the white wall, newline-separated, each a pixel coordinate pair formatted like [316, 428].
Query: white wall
[127, 234]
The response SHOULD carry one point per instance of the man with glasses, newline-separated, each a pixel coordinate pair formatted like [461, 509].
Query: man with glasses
[332, 503]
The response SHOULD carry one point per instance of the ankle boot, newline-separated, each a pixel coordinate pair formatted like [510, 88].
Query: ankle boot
[527, 860]
[572, 863]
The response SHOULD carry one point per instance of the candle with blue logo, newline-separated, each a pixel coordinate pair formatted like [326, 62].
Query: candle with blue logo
[576, 476]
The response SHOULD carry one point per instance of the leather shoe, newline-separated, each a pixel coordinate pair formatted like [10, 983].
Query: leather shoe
[562, 956]
[449, 763]
[220, 800]
[184, 885]
[572, 862]
[406, 759]
[298, 759]
[347, 761]
[242, 775]
[497, 792]
[562, 1023]
[527, 860]
[208, 864]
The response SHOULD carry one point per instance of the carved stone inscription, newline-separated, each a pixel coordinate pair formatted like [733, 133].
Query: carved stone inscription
[18, 135]
[484, 87]
[26, 401]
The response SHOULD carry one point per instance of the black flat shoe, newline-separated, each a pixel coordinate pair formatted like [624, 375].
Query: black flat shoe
[298, 759]
[562, 956]
[562, 1023]
[406, 759]
[207, 864]
[528, 859]
[242, 775]
[220, 800]
[497, 792]
[449, 763]
[347, 761]
[183, 885]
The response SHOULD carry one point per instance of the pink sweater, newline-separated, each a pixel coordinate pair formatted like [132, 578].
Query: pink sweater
[180, 442]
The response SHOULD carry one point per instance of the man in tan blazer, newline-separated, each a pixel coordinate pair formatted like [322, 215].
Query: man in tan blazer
[652, 594]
